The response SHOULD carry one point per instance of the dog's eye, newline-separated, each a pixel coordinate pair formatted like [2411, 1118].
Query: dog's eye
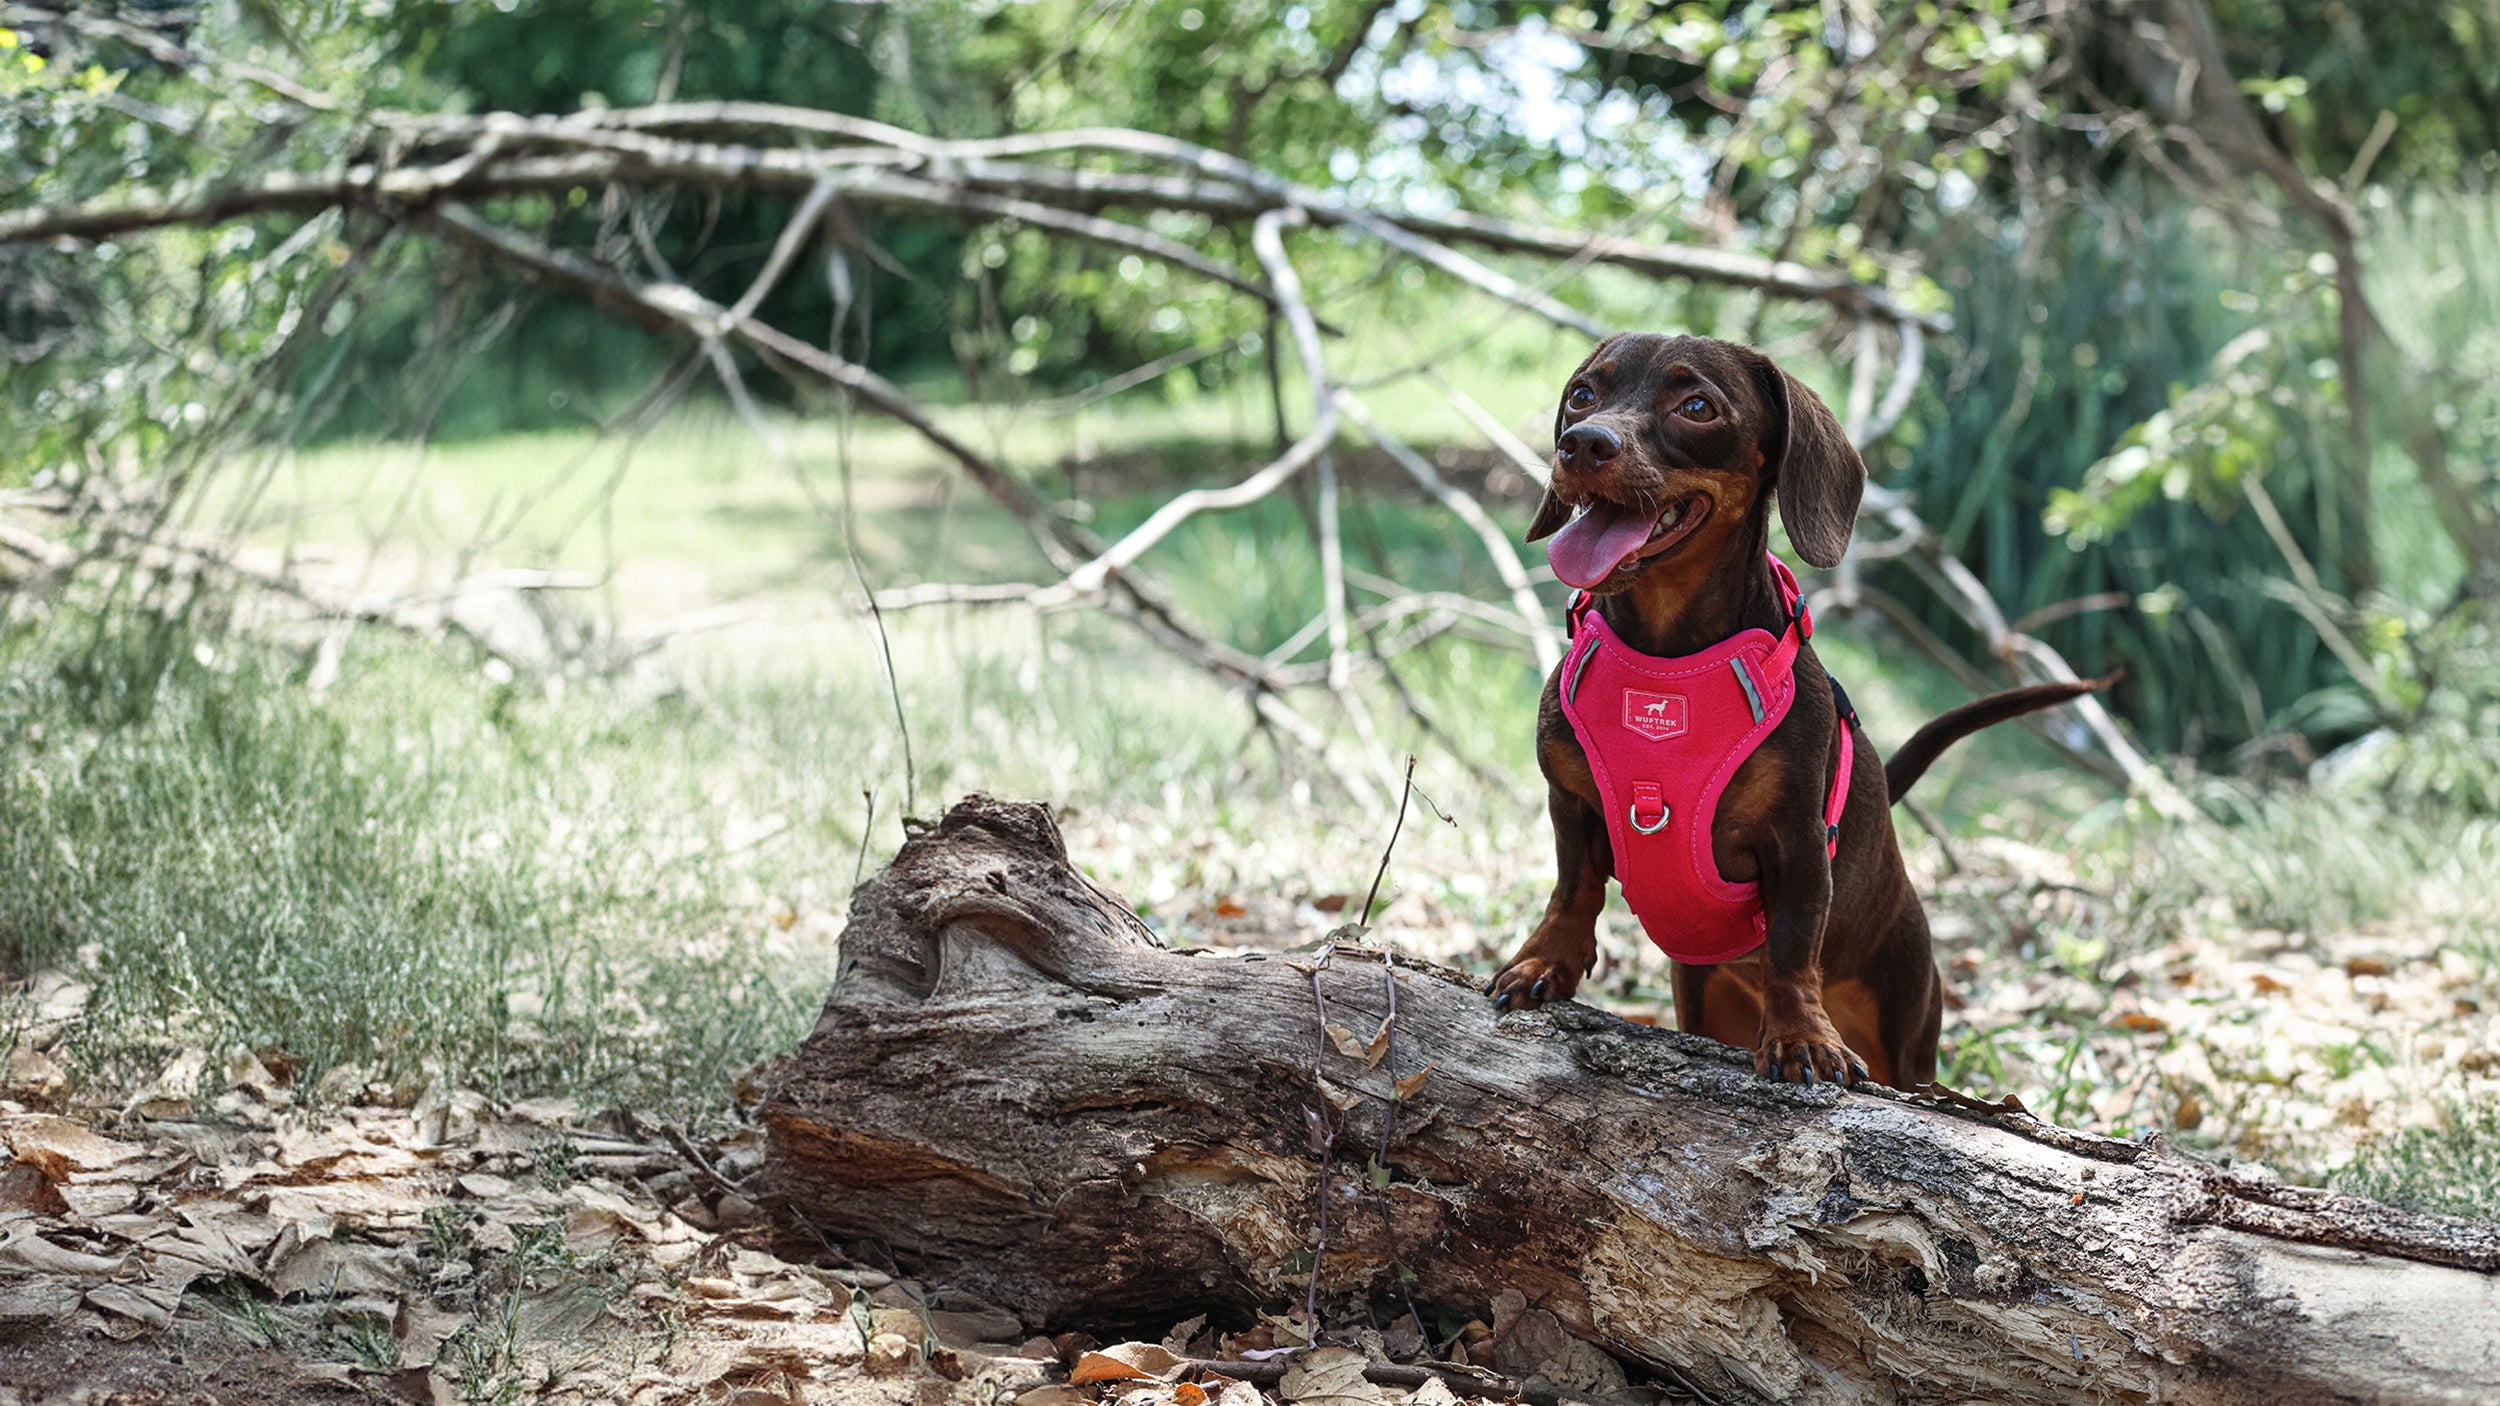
[1696, 408]
[1581, 398]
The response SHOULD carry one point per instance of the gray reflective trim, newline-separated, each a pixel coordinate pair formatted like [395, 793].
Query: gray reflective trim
[1745, 676]
[1571, 690]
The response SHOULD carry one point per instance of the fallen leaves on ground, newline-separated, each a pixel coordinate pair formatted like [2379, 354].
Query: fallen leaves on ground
[446, 1250]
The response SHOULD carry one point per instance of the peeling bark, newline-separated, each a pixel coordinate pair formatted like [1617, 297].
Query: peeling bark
[1014, 1089]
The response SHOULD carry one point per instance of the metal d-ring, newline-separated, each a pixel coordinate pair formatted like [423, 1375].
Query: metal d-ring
[1639, 829]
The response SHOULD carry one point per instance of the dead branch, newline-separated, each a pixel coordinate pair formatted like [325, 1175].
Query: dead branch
[904, 170]
[1542, 637]
[677, 309]
[443, 160]
[1090, 577]
[1969, 598]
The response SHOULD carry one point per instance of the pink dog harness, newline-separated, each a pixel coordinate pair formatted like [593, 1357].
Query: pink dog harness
[1664, 736]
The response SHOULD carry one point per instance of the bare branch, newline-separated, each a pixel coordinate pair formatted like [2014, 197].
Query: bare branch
[964, 179]
[1527, 460]
[1128, 380]
[681, 310]
[1970, 599]
[171, 54]
[1164, 520]
[1542, 638]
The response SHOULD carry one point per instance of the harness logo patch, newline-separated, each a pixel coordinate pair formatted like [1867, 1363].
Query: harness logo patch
[1656, 716]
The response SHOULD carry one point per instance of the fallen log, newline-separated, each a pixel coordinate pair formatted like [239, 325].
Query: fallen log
[1015, 1089]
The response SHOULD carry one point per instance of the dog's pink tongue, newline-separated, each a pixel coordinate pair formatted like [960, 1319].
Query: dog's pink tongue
[1590, 546]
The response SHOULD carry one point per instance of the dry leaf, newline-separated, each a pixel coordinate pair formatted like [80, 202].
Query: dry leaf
[61, 1147]
[1343, 1100]
[1586, 1369]
[90, 1200]
[1189, 1394]
[1413, 1083]
[36, 1300]
[169, 1096]
[1331, 1376]
[889, 1355]
[30, 1253]
[1379, 1048]
[1127, 1362]
[1344, 1040]
[2141, 1023]
[1177, 1341]
[57, 1000]
[1434, 1392]
[149, 1304]
[24, 1187]
[1237, 1393]
[31, 1071]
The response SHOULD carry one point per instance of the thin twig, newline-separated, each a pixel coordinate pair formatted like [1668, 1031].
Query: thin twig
[1390, 848]
[867, 827]
[739, 396]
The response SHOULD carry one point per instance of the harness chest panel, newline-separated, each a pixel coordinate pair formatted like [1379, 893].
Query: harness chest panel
[1664, 737]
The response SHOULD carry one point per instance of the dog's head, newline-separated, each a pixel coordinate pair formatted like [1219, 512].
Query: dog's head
[1664, 445]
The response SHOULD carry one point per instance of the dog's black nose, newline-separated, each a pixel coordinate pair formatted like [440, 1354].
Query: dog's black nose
[1586, 446]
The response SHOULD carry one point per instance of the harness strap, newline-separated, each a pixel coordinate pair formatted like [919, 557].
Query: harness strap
[1800, 626]
[1649, 811]
[1838, 801]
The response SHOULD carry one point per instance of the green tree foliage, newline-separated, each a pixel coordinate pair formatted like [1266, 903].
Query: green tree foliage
[2088, 433]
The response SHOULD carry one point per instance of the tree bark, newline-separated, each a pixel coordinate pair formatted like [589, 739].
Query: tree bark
[1016, 1090]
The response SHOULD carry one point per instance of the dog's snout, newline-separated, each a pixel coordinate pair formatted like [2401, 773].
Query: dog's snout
[1587, 446]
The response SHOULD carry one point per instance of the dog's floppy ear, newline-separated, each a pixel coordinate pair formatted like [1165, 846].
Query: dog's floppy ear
[1819, 473]
[1550, 516]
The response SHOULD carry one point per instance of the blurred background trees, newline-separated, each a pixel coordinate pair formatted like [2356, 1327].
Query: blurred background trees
[2192, 257]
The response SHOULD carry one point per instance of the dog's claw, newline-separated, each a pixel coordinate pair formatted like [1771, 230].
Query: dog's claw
[1537, 992]
[1502, 1002]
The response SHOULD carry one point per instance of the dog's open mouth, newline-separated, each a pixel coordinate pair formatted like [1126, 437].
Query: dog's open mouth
[1608, 537]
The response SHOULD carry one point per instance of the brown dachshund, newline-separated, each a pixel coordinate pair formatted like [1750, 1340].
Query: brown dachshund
[1668, 453]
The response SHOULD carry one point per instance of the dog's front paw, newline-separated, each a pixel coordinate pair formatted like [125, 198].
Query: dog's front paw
[1804, 1051]
[1549, 968]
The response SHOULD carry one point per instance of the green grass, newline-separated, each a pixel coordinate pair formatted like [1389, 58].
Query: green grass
[2452, 1168]
[422, 875]
[428, 872]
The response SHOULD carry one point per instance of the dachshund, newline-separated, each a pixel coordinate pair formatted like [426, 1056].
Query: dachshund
[1669, 452]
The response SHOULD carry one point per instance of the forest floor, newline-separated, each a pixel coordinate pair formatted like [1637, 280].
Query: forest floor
[219, 1235]
[386, 1013]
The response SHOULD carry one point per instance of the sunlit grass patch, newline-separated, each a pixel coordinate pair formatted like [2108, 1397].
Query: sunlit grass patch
[2450, 1168]
[420, 876]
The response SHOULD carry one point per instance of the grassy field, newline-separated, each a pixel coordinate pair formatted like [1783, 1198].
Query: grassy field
[394, 864]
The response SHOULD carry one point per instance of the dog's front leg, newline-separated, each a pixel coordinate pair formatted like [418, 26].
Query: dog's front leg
[1798, 1041]
[1563, 949]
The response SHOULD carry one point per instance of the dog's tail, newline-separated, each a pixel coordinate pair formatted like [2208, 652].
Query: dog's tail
[1911, 759]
